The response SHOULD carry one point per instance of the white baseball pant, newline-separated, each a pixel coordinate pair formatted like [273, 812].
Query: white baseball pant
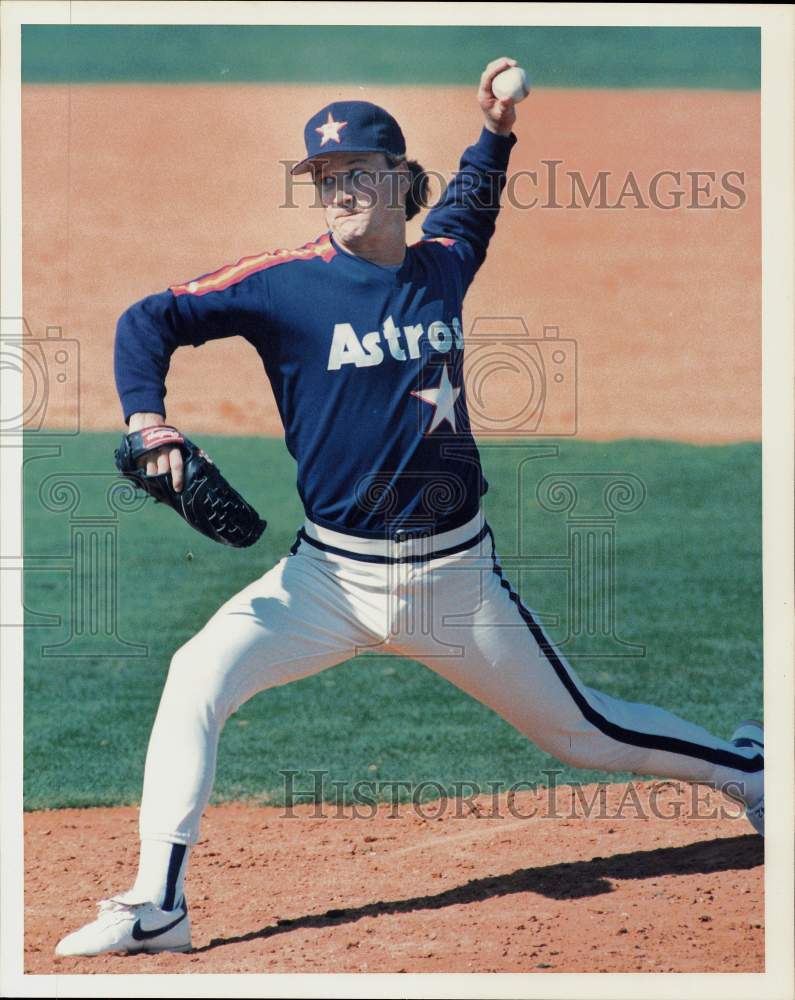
[455, 613]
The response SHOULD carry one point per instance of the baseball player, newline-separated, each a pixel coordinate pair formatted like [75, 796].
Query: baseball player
[361, 339]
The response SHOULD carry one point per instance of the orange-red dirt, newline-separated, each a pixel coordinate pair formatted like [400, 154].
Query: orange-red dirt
[129, 189]
[410, 892]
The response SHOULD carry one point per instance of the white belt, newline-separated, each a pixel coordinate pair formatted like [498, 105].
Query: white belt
[403, 544]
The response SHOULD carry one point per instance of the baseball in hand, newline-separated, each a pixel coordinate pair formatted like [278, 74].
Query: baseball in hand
[511, 83]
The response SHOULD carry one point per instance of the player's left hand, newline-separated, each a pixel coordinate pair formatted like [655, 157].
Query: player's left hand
[500, 115]
[206, 500]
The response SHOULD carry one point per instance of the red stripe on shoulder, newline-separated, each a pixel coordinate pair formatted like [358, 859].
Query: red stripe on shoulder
[446, 241]
[231, 274]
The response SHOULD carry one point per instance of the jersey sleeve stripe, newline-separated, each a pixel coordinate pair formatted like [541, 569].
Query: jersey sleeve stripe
[446, 241]
[231, 274]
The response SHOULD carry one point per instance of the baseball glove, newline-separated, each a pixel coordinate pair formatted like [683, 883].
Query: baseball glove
[207, 501]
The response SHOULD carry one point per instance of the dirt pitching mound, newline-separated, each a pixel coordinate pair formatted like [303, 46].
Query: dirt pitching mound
[648, 877]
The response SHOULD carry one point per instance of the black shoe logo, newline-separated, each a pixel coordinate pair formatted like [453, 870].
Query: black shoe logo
[139, 934]
[747, 741]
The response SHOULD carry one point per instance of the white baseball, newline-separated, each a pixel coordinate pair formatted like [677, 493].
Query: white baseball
[511, 83]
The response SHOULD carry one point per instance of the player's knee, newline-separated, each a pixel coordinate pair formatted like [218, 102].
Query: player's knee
[202, 683]
[193, 687]
[566, 748]
[574, 757]
[182, 668]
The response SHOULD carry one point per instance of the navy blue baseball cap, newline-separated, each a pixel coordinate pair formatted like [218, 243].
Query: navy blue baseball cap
[350, 127]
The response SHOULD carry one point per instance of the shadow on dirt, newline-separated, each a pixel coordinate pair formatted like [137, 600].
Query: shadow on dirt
[561, 881]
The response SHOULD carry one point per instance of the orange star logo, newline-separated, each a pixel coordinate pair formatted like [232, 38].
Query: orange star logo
[330, 130]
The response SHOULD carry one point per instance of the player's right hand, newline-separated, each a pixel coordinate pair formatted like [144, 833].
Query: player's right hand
[163, 459]
[499, 115]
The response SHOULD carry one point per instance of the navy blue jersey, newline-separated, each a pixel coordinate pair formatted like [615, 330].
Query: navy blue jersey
[365, 361]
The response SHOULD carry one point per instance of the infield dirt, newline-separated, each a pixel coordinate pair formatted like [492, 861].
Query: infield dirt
[410, 890]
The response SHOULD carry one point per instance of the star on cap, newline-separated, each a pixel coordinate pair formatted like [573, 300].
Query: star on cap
[330, 130]
[443, 397]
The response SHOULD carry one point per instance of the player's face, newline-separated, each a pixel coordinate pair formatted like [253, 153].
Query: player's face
[360, 193]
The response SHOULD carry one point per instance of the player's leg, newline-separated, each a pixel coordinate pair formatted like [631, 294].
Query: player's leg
[294, 621]
[480, 637]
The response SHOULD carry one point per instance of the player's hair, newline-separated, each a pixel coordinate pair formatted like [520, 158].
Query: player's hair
[419, 190]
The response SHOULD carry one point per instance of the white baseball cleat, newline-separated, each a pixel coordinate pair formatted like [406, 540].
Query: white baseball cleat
[752, 734]
[131, 928]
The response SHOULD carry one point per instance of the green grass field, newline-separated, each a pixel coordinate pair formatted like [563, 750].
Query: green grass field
[688, 589]
[555, 56]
